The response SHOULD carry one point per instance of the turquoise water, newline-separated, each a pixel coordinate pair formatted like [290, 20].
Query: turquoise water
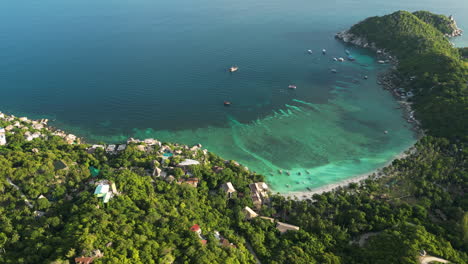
[111, 70]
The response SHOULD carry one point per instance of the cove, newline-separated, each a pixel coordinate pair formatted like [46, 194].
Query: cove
[107, 71]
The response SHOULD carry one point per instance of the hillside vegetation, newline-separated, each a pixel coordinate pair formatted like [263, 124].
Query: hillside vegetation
[440, 22]
[424, 53]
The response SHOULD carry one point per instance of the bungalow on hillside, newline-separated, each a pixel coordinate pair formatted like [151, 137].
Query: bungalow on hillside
[188, 162]
[105, 190]
[222, 241]
[121, 147]
[30, 136]
[225, 243]
[70, 138]
[38, 126]
[228, 188]
[249, 213]
[283, 227]
[196, 228]
[102, 191]
[190, 181]
[217, 169]
[2, 137]
[259, 193]
[111, 148]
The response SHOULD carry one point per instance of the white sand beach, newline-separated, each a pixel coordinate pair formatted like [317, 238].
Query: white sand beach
[302, 195]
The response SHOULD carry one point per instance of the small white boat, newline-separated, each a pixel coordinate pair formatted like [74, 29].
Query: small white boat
[334, 71]
[366, 77]
[335, 59]
[324, 51]
[340, 59]
[233, 69]
[309, 51]
[292, 86]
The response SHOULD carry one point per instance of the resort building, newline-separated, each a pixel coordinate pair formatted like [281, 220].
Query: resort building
[70, 138]
[105, 190]
[283, 227]
[2, 137]
[188, 162]
[111, 148]
[196, 229]
[121, 147]
[190, 181]
[31, 136]
[228, 188]
[249, 213]
[259, 193]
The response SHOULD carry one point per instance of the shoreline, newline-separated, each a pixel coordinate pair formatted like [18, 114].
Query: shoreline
[375, 174]
[386, 81]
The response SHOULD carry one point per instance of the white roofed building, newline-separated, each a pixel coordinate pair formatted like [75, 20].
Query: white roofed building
[188, 162]
[2, 137]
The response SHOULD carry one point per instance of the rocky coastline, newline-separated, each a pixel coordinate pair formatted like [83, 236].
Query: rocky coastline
[389, 80]
[456, 30]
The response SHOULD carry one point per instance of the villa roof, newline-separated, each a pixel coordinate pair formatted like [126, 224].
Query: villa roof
[191, 181]
[195, 228]
[250, 213]
[102, 189]
[188, 162]
[283, 227]
[228, 187]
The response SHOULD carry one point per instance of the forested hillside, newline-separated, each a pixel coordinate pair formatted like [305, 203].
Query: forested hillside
[153, 202]
[428, 65]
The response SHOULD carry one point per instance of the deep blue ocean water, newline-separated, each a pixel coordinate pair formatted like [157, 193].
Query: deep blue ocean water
[108, 70]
